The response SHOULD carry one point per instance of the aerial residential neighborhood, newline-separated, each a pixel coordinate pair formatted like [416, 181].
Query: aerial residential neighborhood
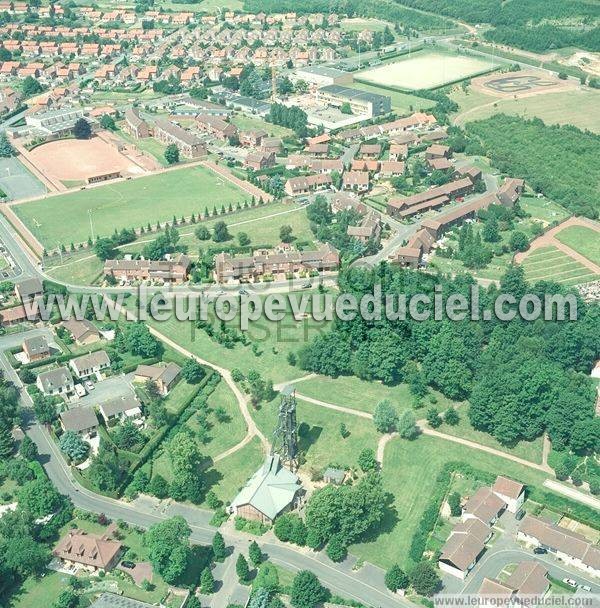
[299, 303]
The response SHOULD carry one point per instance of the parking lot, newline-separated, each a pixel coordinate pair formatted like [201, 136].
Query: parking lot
[115, 386]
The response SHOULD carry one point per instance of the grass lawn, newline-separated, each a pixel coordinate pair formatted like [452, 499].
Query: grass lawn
[127, 204]
[261, 224]
[81, 269]
[400, 101]
[179, 395]
[223, 435]
[578, 108]
[359, 25]
[469, 99]
[273, 339]
[227, 477]
[320, 431]
[551, 264]
[247, 123]
[582, 239]
[409, 471]
[349, 391]
[147, 144]
[530, 450]
[543, 209]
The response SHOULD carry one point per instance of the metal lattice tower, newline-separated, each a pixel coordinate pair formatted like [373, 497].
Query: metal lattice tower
[285, 437]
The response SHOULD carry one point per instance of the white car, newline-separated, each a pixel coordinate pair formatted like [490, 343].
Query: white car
[89, 385]
[570, 582]
[585, 588]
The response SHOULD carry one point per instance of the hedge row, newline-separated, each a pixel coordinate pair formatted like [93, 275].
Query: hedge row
[161, 434]
[575, 510]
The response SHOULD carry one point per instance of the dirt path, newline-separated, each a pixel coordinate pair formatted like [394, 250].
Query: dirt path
[251, 429]
[573, 493]
[383, 441]
[422, 424]
[279, 386]
[546, 449]
[549, 240]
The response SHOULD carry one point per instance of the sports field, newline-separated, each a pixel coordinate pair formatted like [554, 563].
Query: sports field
[583, 240]
[126, 204]
[17, 181]
[427, 70]
[550, 264]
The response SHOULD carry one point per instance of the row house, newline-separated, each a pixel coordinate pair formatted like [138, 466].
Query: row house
[216, 126]
[296, 186]
[357, 181]
[228, 268]
[188, 144]
[259, 160]
[174, 270]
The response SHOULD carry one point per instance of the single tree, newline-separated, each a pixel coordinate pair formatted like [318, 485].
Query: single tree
[171, 154]
[218, 546]
[6, 148]
[451, 417]
[454, 504]
[336, 548]
[424, 579]
[207, 582]
[366, 460]
[407, 425]
[307, 591]
[433, 418]
[396, 578]
[285, 234]
[220, 232]
[82, 129]
[242, 569]
[108, 122]
[255, 553]
[385, 416]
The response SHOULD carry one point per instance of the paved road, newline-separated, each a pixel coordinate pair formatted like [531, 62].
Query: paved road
[365, 586]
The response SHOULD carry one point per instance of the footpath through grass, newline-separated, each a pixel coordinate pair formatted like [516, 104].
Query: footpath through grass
[410, 469]
[128, 204]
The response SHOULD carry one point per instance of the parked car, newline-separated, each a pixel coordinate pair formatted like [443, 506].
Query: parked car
[585, 588]
[306, 285]
[243, 292]
[570, 582]
[89, 385]
[540, 551]
[127, 564]
[520, 515]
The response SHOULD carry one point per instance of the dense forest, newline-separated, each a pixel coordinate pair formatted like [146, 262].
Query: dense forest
[521, 377]
[535, 25]
[382, 9]
[560, 161]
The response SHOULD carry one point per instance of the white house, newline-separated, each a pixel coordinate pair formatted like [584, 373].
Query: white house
[90, 364]
[510, 491]
[57, 381]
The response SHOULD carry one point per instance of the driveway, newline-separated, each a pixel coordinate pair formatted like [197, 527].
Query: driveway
[115, 386]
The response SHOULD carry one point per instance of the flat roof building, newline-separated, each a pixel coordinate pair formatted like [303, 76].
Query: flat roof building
[361, 102]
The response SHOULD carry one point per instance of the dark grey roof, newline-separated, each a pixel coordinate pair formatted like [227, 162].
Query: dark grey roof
[79, 418]
[55, 378]
[36, 345]
[29, 287]
[354, 94]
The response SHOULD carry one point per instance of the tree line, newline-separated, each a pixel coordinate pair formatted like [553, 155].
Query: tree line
[558, 160]
[522, 377]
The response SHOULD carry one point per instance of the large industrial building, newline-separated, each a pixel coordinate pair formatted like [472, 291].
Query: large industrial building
[321, 75]
[360, 102]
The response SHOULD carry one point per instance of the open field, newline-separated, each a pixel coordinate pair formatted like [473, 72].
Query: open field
[349, 391]
[578, 107]
[274, 340]
[400, 101]
[246, 123]
[582, 239]
[550, 264]
[409, 471]
[126, 204]
[426, 70]
[78, 159]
